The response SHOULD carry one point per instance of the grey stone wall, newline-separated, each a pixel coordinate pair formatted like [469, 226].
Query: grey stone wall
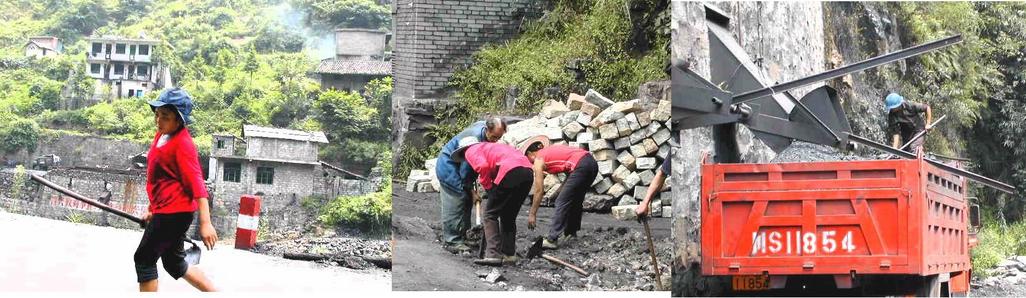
[82, 150]
[433, 39]
[790, 39]
[281, 149]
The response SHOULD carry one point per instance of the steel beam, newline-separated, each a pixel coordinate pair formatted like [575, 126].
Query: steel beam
[970, 175]
[843, 70]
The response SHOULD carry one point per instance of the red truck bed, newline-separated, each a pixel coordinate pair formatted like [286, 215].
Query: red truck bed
[834, 218]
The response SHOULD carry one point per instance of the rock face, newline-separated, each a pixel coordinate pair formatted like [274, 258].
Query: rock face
[789, 49]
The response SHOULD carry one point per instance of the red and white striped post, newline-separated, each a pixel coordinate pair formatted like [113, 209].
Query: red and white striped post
[249, 222]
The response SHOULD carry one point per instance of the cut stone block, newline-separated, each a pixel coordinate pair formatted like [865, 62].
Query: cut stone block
[607, 167]
[604, 117]
[661, 112]
[645, 163]
[626, 159]
[553, 109]
[599, 144]
[604, 154]
[650, 146]
[627, 200]
[583, 119]
[584, 137]
[624, 127]
[609, 131]
[661, 136]
[638, 150]
[667, 211]
[621, 143]
[644, 118]
[597, 99]
[632, 121]
[646, 176]
[625, 212]
[625, 107]
[603, 185]
[571, 130]
[590, 109]
[574, 101]
[631, 181]
[617, 190]
[620, 173]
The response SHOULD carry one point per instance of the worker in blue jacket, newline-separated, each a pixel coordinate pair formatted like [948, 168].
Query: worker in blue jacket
[457, 180]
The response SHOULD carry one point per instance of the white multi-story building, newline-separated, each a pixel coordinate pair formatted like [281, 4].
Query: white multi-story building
[125, 65]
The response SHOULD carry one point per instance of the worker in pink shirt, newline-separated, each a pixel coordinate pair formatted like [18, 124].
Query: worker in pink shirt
[581, 169]
[506, 175]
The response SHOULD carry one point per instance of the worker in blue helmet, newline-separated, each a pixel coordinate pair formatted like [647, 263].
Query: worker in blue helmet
[905, 120]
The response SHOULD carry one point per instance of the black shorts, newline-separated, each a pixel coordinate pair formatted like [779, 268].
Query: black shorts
[163, 239]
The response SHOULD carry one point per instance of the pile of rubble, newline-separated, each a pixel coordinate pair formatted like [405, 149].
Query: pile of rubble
[1011, 271]
[353, 253]
[629, 139]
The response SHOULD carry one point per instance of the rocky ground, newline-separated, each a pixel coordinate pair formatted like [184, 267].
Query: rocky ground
[1008, 279]
[613, 252]
[348, 252]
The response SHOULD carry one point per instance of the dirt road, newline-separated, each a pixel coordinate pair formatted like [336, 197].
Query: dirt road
[40, 254]
[613, 251]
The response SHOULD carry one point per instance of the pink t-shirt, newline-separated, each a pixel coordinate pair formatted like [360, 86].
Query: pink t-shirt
[485, 158]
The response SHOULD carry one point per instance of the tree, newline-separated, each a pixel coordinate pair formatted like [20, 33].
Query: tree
[19, 134]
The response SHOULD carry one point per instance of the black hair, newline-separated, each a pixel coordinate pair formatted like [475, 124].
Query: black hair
[534, 147]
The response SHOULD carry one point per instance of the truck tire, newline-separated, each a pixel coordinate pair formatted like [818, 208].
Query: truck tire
[930, 286]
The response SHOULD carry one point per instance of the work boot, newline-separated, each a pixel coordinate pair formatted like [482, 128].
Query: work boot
[458, 248]
[549, 244]
[510, 260]
[497, 262]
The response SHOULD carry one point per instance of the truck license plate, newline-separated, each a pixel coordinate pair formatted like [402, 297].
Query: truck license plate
[750, 282]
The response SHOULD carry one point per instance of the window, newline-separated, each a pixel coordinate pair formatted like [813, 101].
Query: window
[119, 69]
[265, 175]
[143, 70]
[97, 47]
[95, 68]
[131, 92]
[232, 171]
[119, 48]
[131, 50]
[220, 144]
[144, 49]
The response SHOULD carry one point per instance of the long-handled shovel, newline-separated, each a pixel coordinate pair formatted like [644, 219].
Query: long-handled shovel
[192, 254]
[651, 250]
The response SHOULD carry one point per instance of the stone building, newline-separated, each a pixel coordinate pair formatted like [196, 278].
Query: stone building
[43, 46]
[434, 38]
[265, 160]
[125, 66]
[359, 58]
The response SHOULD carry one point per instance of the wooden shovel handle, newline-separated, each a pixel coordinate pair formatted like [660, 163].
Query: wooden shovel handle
[568, 265]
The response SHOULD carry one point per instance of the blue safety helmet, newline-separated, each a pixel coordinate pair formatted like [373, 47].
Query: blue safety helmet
[893, 100]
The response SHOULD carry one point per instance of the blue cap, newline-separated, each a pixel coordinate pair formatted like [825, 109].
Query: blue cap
[893, 100]
[177, 98]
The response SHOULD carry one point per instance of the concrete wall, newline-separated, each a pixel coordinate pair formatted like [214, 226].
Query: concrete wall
[790, 39]
[289, 178]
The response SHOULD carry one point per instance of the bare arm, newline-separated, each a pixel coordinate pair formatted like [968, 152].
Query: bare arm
[539, 191]
[929, 115]
[207, 231]
[653, 189]
[896, 141]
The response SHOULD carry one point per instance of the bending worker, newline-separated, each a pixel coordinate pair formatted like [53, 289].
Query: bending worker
[905, 120]
[454, 193]
[505, 174]
[581, 169]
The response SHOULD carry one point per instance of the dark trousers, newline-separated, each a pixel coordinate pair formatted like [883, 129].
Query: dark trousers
[163, 239]
[570, 201]
[501, 210]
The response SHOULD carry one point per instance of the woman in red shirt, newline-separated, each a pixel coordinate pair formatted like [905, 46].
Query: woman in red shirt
[505, 174]
[174, 185]
[581, 169]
